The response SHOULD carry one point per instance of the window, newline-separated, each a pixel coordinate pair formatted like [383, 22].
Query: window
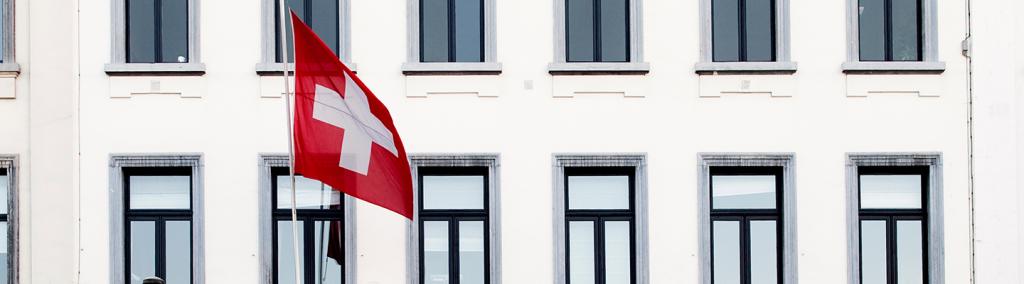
[600, 216]
[328, 18]
[7, 60]
[597, 31]
[454, 225]
[158, 222]
[155, 36]
[895, 218]
[747, 219]
[156, 209]
[8, 221]
[746, 227]
[892, 35]
[457, 220]
[451, 30]
[456, 36]
[321, 226]
[893, 224]
[745, 35]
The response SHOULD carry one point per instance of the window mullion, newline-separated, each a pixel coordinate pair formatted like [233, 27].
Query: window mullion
[599, 251]
[890, 249]
[453, 247]
[745, 250]
[597, 31]
[309, 250]
[451, 30]
[160, 248]
[741, 19]
[888, 31]
[157, 39]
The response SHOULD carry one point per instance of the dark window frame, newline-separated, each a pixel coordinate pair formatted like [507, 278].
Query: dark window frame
[453, 217]
[742, 33]
[888, 34]
[452, 46]
[158, 216]
[597, 33]
[746, 216]
[599, 217]
[157, 32]
[892, 216]
[308, 217]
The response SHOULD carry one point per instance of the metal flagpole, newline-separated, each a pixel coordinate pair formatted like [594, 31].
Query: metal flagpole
[283, 51]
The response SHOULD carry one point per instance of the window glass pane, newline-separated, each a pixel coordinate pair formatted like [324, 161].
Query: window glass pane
[285, 254]
[435, 252]
[760, 30]
[890, 191]
[5, 183]
[872, 252]
[598, 192]
[725, 30]
[471, 252]
[325, 22]
[311, 194]
[179, 252]
[581, 252]
[329, 249]
[2, 32]
[764, 249]
[872, 30]
[579, 29]
[453, 192]
[617, 252]
[142, 240]
[434, 30]
[909, 252]
[4, 252]
[614, 30]
[141, 33]
[726, 252]
[905, 31]
[174, 31]
[159, 192]
[297, 6]
[469, 24]
[743, 192]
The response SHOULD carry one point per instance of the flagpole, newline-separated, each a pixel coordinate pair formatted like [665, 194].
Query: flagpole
[283, 51]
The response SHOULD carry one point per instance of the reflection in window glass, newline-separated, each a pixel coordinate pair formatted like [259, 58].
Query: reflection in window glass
[743, 192]
[614, 31]
[157, 31]
[311, 194]
[581, 253]
[760, 30]
[435, 252]
[453, 192]
[469, 21]
[726, 251]
[174, 31]
[617, 252]
[141, 37]
[763, 253]
[142, 250]
[890, 191]
[285, 255]
[873, 260]
[434, 30]
[597, 30]
[579, 29]
[328, 246]
[179, 252]
[890, 30]
[160, 192]
[872, 30]
[4, 252]
[725, 30]
[598, 192]
[909, 252]
[4, 190]
[905, 31]
[471, 252]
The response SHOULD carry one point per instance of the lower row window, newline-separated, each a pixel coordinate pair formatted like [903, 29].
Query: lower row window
[453, 225]
[893, 225]
[158, 218]
[600, 225]
[321, 223]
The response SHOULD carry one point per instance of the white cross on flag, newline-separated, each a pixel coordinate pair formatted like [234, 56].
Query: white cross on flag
[344, 136]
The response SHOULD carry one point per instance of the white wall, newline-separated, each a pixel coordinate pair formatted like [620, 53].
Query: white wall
[224, 115]
[998, 84]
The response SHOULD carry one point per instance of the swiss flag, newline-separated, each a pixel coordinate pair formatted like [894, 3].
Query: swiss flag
[344, 136]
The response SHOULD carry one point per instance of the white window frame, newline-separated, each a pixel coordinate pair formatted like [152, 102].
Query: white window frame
[9, 65]
[119, 52]
[266, 219]
[929, 43]
[413, 64]
[936, 244]
[492, 163]
[10, 163]
[116, 204]
[782, 63]
[788, 210]
[636, 64]
[637, 161]
[268, 52]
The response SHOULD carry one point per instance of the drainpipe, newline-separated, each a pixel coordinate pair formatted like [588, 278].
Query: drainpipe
[966, 51]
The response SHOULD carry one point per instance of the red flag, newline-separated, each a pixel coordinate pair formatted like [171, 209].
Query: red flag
[344, 136]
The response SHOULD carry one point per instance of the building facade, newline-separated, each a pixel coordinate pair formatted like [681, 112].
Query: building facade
[567, 141]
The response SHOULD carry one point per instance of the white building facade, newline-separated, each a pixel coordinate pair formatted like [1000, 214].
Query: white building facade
[567, 141]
